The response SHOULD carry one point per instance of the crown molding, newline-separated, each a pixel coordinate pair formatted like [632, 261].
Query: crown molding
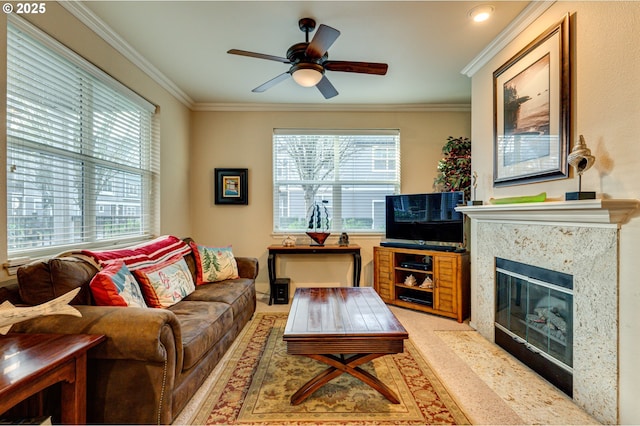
[95, 24]
[239, 107]
[529, 14]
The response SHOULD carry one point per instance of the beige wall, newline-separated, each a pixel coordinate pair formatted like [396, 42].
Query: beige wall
[244, 140]
[58, 23]
[606, 110]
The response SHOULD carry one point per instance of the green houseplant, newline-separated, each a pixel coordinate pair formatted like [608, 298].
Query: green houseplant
[454, 170]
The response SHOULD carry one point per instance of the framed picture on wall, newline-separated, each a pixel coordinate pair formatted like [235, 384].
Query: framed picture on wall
[532, 93]
[231, 186]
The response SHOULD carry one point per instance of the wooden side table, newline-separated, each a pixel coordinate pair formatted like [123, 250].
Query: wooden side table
[32, 362]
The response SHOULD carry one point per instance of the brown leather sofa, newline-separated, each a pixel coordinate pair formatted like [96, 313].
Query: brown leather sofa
[154, 360]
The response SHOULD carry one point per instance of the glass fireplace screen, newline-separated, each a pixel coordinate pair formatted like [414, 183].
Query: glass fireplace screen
[535, 306]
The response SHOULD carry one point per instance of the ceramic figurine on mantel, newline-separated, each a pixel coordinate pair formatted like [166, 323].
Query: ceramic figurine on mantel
[474, 184]
[581, 160]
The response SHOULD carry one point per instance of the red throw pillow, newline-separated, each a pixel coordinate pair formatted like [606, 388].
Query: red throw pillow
[115, 286]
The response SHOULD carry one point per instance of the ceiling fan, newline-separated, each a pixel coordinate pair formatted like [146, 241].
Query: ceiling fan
[309, 61]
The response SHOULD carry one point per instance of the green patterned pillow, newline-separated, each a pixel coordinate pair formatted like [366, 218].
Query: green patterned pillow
[214, 263]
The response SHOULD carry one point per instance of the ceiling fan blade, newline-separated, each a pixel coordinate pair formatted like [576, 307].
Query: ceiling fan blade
[326, 88]
[258, 55]
[324, 38]
[269, 84]
[358, 67]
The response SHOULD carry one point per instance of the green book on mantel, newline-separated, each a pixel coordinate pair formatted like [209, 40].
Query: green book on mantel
[522, 199]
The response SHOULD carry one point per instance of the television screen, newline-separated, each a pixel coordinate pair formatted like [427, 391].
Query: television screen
[425, 217]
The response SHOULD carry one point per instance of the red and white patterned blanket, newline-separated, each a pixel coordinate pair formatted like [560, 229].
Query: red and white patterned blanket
[139, 256]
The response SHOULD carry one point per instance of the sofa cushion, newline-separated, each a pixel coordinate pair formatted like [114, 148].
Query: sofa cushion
[202, 325]
[165, 283]
[239, 294]
[115, 286]
[45, 280]
[214, 263]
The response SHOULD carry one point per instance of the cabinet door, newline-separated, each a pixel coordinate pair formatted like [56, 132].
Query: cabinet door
[383, 273]
[445, 297]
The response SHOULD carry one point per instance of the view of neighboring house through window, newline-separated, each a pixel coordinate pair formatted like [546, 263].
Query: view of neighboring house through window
[82, 160]
[351, 171]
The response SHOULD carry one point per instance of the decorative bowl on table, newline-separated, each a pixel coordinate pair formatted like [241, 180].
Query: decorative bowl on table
[318, 237]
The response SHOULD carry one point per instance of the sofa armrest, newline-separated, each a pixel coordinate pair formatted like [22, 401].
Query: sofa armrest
[248, 267]
[142, 334]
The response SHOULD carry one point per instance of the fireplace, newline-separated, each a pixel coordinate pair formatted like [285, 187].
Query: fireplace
[577, 238]
[534, 319]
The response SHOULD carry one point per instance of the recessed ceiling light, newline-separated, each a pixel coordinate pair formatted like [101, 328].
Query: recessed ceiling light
[481, 13]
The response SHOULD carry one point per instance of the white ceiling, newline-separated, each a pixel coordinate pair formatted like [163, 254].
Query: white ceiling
[426, 44]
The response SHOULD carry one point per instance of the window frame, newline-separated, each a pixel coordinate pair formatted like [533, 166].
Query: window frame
[147, 169]
[376, 181]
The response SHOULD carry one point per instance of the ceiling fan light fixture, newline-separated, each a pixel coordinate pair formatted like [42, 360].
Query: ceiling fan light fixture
[307, 75]
[309, 60]
[481, 13]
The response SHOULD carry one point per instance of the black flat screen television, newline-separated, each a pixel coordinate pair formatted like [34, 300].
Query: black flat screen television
[421, 219]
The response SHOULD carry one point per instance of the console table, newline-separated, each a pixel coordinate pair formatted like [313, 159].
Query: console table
[352, 249]
[33, 362]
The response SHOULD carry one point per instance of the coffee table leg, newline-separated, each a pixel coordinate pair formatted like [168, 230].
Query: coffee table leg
[314, 384]
[338, 366]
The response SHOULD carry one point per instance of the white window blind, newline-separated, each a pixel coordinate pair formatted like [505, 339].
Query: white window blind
[351, 171]
[82, 151]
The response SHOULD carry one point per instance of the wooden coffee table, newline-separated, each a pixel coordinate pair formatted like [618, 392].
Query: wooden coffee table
[326, 324]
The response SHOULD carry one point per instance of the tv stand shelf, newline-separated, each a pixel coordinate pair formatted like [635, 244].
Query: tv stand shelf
[448, 272]
[416, 288]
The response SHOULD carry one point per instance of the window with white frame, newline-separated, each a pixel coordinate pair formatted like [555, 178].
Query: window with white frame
[82, 151]
[348, 171]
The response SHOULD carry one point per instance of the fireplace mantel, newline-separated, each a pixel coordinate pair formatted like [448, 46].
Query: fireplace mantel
[600, 211]
[579, 238]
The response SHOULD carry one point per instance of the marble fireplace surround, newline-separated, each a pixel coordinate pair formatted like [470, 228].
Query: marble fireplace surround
[575, 237]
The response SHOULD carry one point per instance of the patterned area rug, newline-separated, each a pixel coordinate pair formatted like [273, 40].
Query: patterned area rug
[259, 377]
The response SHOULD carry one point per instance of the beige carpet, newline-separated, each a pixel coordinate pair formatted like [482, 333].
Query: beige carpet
[259, 377]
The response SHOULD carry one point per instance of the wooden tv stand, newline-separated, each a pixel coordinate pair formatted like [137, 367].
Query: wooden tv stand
[448, 271]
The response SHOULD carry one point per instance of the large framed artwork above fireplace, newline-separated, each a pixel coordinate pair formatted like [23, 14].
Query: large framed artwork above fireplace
[575, 238]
